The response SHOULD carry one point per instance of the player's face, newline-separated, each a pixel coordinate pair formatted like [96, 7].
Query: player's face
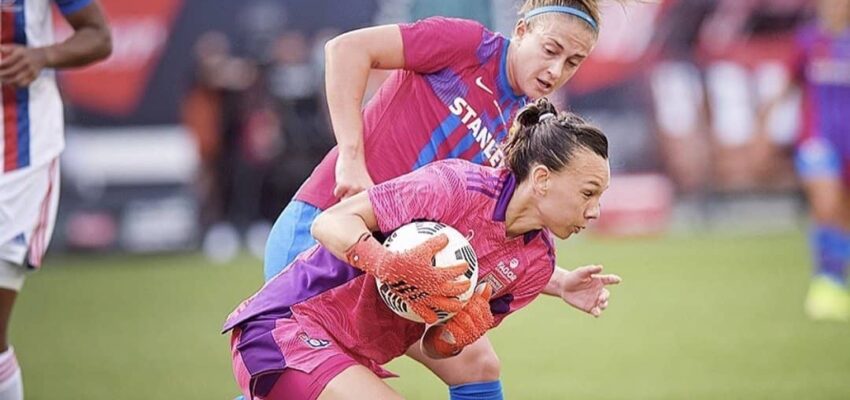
[547, 53]
[570, 198]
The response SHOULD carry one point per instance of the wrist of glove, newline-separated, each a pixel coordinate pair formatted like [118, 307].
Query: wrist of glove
[465, 327]
[411, 274]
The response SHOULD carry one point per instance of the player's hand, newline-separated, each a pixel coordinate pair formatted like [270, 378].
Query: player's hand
[411, 274]
[352, 177]
[464, 328]
[19, 65]
[584, 289]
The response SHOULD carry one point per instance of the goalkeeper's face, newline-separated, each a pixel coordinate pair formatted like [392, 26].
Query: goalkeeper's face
[569, 199]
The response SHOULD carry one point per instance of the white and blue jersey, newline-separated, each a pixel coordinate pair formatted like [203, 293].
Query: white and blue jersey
[29, 141]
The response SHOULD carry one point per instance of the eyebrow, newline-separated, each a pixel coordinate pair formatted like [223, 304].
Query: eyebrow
[557, 43]
[578, 53]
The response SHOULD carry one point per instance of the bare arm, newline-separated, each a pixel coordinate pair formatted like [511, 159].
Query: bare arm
[90, 42]
[348, 59]
[584, 288]
[341, 226]
[556, 282]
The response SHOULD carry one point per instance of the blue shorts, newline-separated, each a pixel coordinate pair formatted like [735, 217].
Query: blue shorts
[818, 158]
[289, 236]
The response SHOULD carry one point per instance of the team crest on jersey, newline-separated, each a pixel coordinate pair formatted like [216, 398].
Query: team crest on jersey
[313, 342]
[494, 282]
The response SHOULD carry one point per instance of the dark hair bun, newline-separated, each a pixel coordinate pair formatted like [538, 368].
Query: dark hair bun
[530, 114]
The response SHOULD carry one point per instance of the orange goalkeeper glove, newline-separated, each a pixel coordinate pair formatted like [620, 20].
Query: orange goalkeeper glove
[411, 274]
[465, 327]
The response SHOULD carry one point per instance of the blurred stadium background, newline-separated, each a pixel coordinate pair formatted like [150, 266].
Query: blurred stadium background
[185, 145]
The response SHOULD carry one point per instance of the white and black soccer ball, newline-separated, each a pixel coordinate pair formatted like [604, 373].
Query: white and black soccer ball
[457, 250]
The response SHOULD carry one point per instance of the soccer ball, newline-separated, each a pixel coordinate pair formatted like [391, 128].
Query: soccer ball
[458, 249]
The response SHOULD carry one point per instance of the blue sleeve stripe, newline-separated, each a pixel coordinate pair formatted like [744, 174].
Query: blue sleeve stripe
[71, 6]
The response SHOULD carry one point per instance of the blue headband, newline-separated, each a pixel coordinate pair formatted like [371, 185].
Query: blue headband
[564, 10]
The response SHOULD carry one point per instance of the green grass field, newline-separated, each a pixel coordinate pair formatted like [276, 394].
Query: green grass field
[698, 317]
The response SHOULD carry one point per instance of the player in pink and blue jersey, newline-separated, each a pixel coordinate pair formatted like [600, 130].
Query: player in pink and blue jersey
[823, 155]
[319, 328]
[32, 138]
[456, 87]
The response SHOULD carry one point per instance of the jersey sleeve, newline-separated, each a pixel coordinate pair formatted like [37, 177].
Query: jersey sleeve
[71, 6]
[436, 192]
[529, 287]
[435, 43]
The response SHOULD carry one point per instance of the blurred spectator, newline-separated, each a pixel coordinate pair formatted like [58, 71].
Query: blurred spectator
[211, 112]
[678, 96]
[296, 82]
[745, 50]
[720, 60]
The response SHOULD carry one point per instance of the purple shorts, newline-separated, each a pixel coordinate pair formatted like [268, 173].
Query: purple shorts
[284, 362]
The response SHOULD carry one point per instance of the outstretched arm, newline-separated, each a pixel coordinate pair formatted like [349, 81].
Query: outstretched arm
[90, 42]
[582, 288]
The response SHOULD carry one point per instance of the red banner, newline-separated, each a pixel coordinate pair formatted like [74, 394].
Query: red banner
[140, 30]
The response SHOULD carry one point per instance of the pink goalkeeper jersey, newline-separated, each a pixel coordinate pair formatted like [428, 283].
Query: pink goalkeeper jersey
[451, 100]
[331, 299]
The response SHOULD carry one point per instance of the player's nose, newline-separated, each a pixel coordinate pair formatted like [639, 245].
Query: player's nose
[554, 70]
[593, 211]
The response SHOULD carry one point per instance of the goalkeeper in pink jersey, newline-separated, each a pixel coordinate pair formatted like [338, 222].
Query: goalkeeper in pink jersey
[455, 89]
[319, 327]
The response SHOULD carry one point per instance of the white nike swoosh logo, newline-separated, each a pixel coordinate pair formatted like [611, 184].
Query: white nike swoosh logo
[480, 83]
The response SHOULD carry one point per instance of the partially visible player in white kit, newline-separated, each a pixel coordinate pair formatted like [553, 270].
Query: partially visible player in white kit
[31, 139]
